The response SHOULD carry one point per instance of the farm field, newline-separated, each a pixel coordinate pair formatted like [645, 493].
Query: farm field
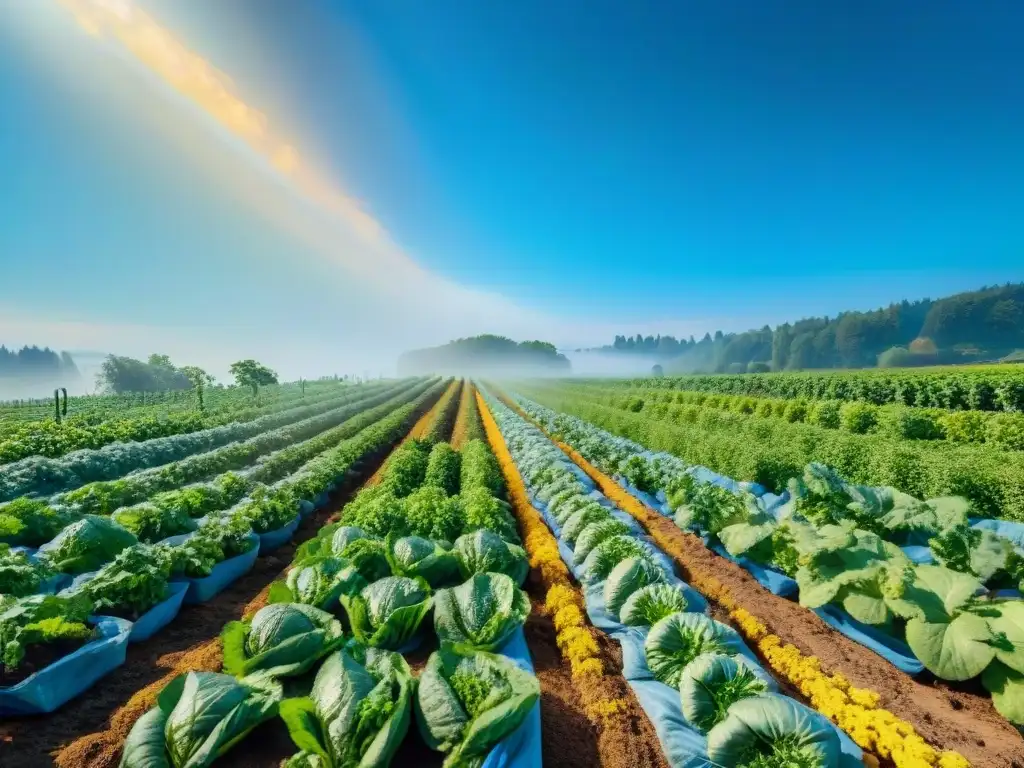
[439, 571]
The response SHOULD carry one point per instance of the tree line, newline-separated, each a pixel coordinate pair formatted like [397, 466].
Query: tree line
[986, 324]
[479, 354]
[33, 363]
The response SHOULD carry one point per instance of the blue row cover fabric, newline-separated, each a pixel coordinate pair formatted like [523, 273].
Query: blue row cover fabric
[919, 554]
[272, 540]
[1005, 528]
[322, 498]
[224, 573]
[773, 580]
[895, 651]
[54, 686]
[659, 502]
[522, 747]
[160, 615]
[306, 507]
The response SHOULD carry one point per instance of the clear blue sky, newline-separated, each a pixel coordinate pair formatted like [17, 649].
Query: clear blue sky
[605, 166]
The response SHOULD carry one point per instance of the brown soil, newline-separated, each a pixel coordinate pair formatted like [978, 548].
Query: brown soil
[38, 657]
[73, 735]
[949, 716]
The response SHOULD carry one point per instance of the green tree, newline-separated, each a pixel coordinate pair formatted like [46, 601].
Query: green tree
[200, 380]
[249, 373]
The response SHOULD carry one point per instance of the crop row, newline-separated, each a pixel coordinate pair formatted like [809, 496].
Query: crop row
[44, 476]
[703, 688]
[52, 439]
[856, 550]
[770, 451]
[981, 388]
[1002, 430]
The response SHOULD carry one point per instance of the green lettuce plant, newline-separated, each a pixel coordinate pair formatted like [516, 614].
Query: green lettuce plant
[480, 614]
[357, 712]
[87, 544]
[627, 578]
[487, 552]
[648, 605]
[40, 620]
[388, 613]
[465, 704]
[281, 639]
[679, 638]
[132, 584]
[712, 683]
[773, 731]
[319, 582]
[199, 716]
[413, 556]
[20, 575]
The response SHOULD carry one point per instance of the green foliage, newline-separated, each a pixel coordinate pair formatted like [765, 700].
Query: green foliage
[151, 524]
[712, 683]
[859, 418]
[199, 716]
[432, 514]
[280, 640]
[40, 619]
[407, 468]
[465, 704]
[649, 605]
[21, 575]
[679, 638]
[249, 373]
[626, 579]
[133, 583]
[388, 612]
[480, 614]
[30, 522]
[486, 552]
[480, 469]
[444, 468]
[87, 544]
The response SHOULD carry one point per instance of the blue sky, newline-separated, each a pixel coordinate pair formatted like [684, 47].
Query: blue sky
[567, 170]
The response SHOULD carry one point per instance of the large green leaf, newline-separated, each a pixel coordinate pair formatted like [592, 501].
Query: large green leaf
[955, 650]
[1009, 628]
[1007, 688]
[482, 613]
[712, 683]
[626, 578]
[678, 639]
[739, 538]
[387, 613]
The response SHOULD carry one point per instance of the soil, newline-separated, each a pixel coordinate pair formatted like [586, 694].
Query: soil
[38, 657]
[949, 716]
[88, 731]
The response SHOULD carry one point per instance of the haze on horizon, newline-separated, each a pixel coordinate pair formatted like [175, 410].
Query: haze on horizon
[324, 188]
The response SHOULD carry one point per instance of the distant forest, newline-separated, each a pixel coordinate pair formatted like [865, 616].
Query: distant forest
[987, 324]
[484, 354]
[32, 364]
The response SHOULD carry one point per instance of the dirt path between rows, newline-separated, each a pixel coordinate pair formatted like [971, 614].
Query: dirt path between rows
[950, 716]
[96, 723]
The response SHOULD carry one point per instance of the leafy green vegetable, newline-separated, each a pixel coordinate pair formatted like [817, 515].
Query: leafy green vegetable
[712, 683]
[480, 469]
[487, 552]
[41, 619]
[484, 511]
[649, 605]
[282, 639]
[199, 716]
[444, 468]
[319, 582]
[268, 510]
[133, 583]
[29, 522]
[356, 714]
[970, 550]
[407, 468]
[465, 704]
[377, 511]
[387, 613]
[710, 509]
[480, 614]
[20, 575]
[593, 535]
[773, 731]
[150, 523]
[413, 556]
[609, 553]
[679, 638]
[231, 533]
[432, 514]
[592, 513]
[626, 578]
[86, 545]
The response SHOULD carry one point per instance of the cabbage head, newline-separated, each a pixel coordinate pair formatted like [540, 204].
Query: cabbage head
[87, 544]
[626, 578]
[413, 556]
[480, 614]
[712, 683]
[573, 506]
[356, 714]
[592, 513]
[199, 716]
[773, 731]
[319, 582]
[593, 535]
[609, 553]
[467, 703]
[487, 552]
[367, 553]
[282, 639]
[678, 639]
[387, 613]
[649, 605]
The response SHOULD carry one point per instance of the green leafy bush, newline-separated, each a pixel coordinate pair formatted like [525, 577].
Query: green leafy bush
[40, 620]
[87, 544]
[19, 574]
[859, 418]
[281, 640]
[444, 468]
